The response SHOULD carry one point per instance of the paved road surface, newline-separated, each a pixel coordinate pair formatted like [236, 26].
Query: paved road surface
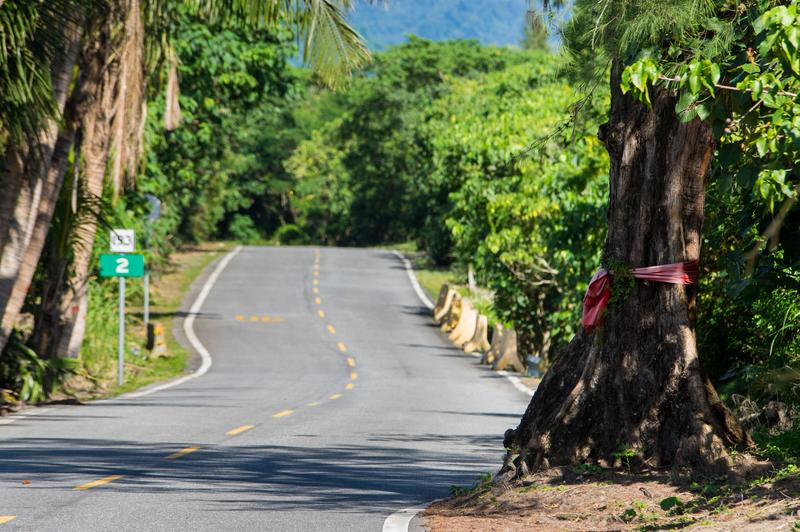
[318, 414]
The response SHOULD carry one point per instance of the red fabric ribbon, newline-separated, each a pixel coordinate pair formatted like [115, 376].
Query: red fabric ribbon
[599, 291]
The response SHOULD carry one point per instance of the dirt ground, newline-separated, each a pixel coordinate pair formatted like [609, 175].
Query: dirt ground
[591, 499]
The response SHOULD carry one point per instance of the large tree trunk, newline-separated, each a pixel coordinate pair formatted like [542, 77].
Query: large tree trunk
[112, 84]
[30, 189]
[635, 383]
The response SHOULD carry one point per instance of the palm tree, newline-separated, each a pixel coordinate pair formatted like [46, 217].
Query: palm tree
[98, 115]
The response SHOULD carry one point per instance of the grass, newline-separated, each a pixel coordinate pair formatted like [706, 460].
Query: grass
[168, 285]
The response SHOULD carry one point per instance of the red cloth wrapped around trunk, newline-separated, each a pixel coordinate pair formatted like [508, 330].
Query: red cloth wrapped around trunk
[599, 291]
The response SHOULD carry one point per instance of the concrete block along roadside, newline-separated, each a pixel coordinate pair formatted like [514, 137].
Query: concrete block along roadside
[480, 340]
[444, 303]
[450, 320]
[467, 322]
[508, 357]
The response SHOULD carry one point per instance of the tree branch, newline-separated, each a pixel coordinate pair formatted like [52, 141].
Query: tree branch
[730, 88]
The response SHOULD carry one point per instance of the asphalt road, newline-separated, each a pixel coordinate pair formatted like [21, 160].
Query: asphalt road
[332, 402]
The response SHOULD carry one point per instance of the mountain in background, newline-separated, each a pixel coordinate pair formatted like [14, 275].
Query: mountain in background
[500, 22]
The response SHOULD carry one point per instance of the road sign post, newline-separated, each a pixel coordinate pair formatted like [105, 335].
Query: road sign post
[121, 265]
[121, 337]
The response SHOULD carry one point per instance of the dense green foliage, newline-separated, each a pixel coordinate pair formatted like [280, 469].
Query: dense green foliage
[433, 144]
[220, 173]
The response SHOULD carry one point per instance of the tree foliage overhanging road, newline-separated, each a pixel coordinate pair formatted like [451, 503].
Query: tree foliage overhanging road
[483, 156]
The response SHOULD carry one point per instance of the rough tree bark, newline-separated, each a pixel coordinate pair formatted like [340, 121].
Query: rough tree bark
[111, 88]
[30, 191]
[635, 383]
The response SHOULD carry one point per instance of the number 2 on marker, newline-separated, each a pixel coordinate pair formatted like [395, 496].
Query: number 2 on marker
[122, 265]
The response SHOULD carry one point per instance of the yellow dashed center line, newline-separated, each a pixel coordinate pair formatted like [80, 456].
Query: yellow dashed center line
[353, 376]
[331, 329]
[351, 362]
[321, 313]
[316, 273]
[6, 518]
[316, 282]
[182, 452]
[283, 413]
[239, 317]
[253, 318]
[239, 430]
[315, 290]
[350, 386]
[315, 403]
[336, 396]
[96, 483]
[318, 301]
[341, 347]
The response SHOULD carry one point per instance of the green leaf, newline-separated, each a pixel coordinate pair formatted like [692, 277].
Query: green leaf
[694, 83]
[670, 503]
[761, 146]
[704, 110]
[686, 100]
[746, 177]
[751, 68]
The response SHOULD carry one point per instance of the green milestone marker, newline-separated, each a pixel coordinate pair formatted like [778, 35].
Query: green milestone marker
[121, 265]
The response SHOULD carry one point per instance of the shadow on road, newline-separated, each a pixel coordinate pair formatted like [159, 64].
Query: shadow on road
[349, 478]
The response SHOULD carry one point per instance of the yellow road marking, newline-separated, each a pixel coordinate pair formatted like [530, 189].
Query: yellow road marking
[335, 396]
[353, 375]
[239, 317]
[316, 282]
[182, 452]
[321, 313]
[253, 318]
[6, 518]
[284, 413]
[318, 301]
[100, 482]
[316, 273]
[239, 430]
[315, 403]
[331, 329]
[342, 347]
[350, 386]
[315, 290]
[351, 362]
[268, 319]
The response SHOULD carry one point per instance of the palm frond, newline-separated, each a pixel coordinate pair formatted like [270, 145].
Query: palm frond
[332, 47]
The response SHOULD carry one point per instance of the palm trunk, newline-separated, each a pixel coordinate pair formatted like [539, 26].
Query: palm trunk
[636, 383]
[112, 82]
[30, 191]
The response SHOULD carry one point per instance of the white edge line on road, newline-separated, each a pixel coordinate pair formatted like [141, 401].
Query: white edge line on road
[188, 329]
[428, 303]
[413, 278]
[517, 383]
[35, 411]
[399, 521]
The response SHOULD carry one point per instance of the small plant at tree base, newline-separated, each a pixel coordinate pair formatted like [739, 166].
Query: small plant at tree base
[673, 505]
[588, 469]
[625, 455]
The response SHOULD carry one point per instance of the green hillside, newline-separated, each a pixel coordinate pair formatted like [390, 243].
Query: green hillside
[489, 21]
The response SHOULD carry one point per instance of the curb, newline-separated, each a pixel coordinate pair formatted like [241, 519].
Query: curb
[513, 379]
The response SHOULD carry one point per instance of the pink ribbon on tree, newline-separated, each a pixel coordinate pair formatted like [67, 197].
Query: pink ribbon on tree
[599, 291]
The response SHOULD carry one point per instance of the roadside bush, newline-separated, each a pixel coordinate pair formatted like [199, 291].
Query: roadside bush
[27, 377]
[290, 235]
